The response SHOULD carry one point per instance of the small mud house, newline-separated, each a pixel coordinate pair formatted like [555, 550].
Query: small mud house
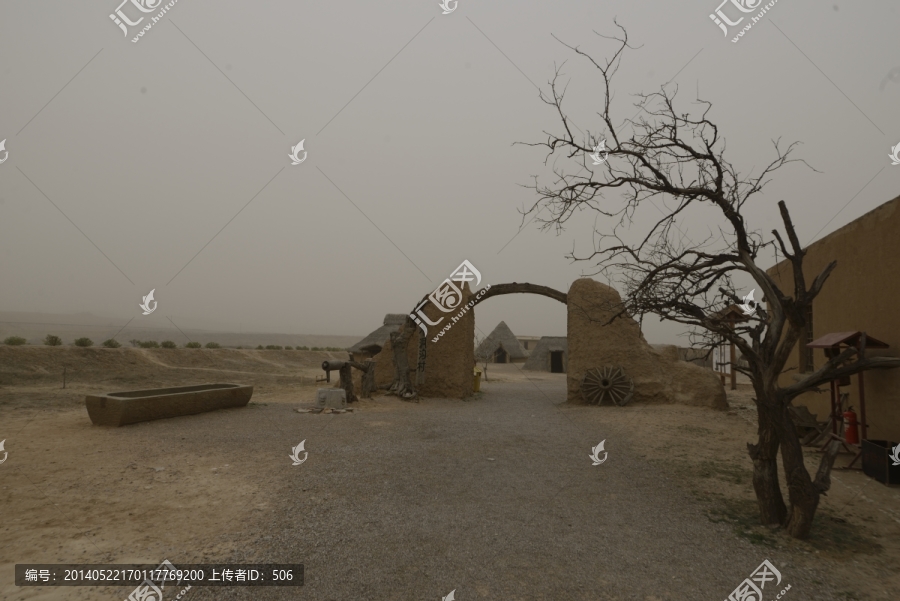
[501, 346]
[550, 354]
[371, 344]
[528, 342]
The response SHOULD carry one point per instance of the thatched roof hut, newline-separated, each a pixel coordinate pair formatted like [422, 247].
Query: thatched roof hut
[501, 346]
[550, 354]
[371, 344]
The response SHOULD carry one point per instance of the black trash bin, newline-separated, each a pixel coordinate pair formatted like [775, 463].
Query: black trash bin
[877, 462]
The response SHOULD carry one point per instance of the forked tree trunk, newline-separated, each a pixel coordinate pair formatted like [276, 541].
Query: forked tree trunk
[346, 373]
[777, 432]
[803, 493]
[368, 379]
[402, 386]
[764, 454]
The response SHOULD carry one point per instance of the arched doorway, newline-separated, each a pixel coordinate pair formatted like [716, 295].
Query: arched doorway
[500, 356]
[444, 368]
[556, 362]
[556, 358]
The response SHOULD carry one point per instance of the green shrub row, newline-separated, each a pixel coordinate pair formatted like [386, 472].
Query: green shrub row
[275, 347]
[52, 340]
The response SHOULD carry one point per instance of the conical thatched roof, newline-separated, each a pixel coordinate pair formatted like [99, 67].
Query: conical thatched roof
[501, 336]
[374, 341]
[539, 359]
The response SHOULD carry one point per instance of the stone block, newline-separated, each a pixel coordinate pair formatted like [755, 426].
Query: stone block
[335, 398]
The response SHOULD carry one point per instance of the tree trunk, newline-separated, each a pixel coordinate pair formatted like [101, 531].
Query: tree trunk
[346, 373]
[764, 454]
[368, 379]
[777, 432]
[802, 492]
[402, 387]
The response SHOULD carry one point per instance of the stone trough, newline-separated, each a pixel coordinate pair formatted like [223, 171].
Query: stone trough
[130, 407]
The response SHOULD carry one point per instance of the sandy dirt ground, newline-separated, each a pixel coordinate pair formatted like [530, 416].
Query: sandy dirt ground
[192, 489]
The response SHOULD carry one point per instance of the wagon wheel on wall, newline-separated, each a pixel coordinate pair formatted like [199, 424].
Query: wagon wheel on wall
[607, 383]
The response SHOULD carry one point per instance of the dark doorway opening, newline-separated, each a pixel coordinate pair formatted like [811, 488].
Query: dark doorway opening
[556, 362]
[501, 356]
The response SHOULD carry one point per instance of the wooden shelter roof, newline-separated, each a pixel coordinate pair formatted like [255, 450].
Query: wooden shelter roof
[836, 339]
[731, 311]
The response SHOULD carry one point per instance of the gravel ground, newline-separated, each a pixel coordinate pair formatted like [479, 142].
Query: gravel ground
[495, 498]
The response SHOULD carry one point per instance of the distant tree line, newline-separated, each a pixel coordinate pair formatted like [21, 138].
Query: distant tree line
[52, 340]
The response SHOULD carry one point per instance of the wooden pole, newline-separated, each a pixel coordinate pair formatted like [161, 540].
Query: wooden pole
[720, 367]
[834, 404]
[862, 389]
[733, 359]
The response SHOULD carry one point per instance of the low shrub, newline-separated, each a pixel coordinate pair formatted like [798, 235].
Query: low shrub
[213, 345]
[240, 347]
[149, 344]
[168, 344]
[288, 348]
[84, 342]
[193, 345]
[302, 348]
[259, 348]
[111, 343]
[52, 340]
[15, 341]
[135, 342]
[273, 347]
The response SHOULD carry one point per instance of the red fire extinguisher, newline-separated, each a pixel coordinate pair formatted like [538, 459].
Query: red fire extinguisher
[851, 433]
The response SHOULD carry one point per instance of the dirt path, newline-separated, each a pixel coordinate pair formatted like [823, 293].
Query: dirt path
[495, 498]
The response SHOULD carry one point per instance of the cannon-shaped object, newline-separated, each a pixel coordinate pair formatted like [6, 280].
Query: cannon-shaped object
[330, 366]
[344, 368]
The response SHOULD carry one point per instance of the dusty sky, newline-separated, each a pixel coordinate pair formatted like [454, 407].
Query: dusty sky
[126, 159]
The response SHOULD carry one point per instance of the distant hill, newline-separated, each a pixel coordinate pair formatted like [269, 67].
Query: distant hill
[35, 326]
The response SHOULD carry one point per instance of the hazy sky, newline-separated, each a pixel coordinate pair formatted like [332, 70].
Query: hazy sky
[152, 148]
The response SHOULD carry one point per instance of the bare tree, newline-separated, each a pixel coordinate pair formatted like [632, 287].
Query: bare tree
[664, 156]
[483, 356]
[402, 386]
